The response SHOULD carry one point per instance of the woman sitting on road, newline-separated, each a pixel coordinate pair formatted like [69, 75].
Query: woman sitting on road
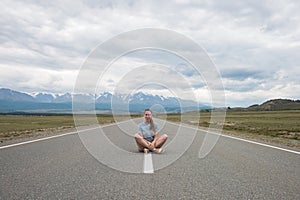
[147, 138]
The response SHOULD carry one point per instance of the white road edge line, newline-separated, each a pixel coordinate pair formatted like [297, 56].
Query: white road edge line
[148, 164]
[56, 136]
[261, 144]
[240, 139]
[46, 138]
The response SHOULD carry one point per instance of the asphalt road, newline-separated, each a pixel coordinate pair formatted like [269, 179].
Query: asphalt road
[63, 168]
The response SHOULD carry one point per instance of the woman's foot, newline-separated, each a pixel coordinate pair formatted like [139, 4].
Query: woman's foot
[159, 150]
[146, 150]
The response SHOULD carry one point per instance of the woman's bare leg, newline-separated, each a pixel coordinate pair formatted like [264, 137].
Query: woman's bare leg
[161, 141]
[141, 142]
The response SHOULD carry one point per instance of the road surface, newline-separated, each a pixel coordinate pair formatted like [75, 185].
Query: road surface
[62, 168]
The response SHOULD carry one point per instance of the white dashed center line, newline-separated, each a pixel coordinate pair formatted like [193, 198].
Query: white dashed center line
[148, 165]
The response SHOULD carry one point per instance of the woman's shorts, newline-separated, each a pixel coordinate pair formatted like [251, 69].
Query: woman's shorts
[149, 139]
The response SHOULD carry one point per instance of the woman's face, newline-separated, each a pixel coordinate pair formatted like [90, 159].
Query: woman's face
[147, 116]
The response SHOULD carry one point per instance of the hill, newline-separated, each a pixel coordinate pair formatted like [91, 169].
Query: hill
[276, 104]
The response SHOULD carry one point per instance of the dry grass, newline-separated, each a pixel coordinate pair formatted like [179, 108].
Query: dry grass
[281, 127]
[22, 126]
[275, 126]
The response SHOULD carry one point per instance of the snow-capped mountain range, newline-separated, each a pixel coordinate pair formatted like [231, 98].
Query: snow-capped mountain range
[11, 100]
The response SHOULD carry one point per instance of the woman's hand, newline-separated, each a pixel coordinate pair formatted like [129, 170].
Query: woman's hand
[151, 145]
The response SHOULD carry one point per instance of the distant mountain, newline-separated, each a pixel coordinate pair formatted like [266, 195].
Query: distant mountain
[11, 95]
[44, 97]
[52, 98]
[11, 100]
[63, 98]
[139, 101]
[105, 97]
[144, 99]
[277, 104]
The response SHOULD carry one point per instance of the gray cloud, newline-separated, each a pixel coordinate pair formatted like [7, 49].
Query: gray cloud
[254, 44]
[244, 73]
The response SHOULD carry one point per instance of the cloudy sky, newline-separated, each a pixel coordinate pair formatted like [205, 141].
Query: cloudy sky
[254, 45]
